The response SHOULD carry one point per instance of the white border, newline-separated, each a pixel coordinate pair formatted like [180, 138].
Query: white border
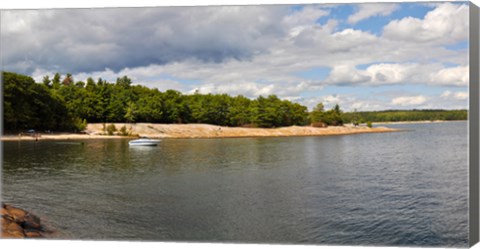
[48, 4]
[43, 4]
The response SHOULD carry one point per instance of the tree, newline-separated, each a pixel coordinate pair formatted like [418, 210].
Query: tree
[334, 116]
[317, 114]
[90, 83]
[130, 112]
[28, 105]
[80, 84]
[330, 117]
[46, 81]
[68, 107]
[239, 113]
[336, 108]
[56, 81]
[124, 82]
[355, 118]
[68, 81]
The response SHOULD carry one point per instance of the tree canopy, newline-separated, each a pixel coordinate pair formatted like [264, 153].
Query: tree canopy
[56, 104]
[64, 105]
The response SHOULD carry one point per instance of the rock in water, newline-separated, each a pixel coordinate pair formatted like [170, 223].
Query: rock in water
[33, 234]
[17, 214]
[18, 223]
[4, 211]
[31, 221]
[14, 227]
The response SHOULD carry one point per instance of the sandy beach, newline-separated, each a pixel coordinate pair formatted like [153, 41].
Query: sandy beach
[95, 131]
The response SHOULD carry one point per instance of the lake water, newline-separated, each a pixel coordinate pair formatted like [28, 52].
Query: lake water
[402, 188]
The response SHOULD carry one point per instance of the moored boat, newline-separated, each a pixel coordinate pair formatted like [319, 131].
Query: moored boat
[144, 141]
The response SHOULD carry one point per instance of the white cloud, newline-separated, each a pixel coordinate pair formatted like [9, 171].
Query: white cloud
[347, 103]
[347, 74]
[456, 76]
[446, 24]
[390, 73]
[456, 95]
[398, 100]
[367, 10]
[305, 17]
[254, 50]
[86, 40]
[396, 73]
[409, 100]
[248, 89]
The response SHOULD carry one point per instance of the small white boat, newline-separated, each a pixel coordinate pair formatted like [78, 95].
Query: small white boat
[144, 141]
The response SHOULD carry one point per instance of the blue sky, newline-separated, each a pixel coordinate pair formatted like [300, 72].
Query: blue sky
[361, 56]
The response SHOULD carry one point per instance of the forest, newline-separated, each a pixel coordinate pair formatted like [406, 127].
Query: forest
[405, 115]
[62, 104]
[65, 105]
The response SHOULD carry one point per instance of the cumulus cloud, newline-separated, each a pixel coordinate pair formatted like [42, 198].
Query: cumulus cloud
[248, 89]
[347, 74]
[446, 24]
[455, 95]
[399, 73]
[308, 15]
[76, 40]
[368, 10]
[248, 50]
[456, 76]
[409, 100]
[348, 102]
[397, 100]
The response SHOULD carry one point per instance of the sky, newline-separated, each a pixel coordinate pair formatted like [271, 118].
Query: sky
[363, 56]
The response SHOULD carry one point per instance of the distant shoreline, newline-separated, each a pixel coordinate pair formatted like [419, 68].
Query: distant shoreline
[94, 131]
[417, 122]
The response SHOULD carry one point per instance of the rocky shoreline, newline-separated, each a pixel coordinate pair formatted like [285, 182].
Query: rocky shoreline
[18, 223]
[95, 131]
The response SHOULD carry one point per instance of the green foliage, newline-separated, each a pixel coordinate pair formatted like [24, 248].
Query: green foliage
[106, 102]
[124, 131]
[28, 105]
[111, 129]
[79, 124]
[407, 115]
[46, 81]
[273, 112]
[56, 81]
[332, 117]
[69, 106]
[369, 124]
[124, 82]
[130, 111]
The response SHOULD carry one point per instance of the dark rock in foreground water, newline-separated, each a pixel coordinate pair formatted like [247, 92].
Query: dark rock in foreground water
[18, 223]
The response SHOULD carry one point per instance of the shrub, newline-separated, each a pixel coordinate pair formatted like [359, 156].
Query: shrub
[369, 124]
[111, 129]
[319, 125]
[123, 131]
[249, 126]
[79, 124]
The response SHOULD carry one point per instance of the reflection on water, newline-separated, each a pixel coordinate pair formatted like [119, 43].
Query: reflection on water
[404, 188]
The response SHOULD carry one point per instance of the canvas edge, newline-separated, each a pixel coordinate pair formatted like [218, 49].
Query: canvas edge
[474, 111]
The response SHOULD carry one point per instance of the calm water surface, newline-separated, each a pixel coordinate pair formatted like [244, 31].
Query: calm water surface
[403, 188]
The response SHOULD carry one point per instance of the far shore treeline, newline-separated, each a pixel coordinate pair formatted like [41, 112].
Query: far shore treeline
[61, 104]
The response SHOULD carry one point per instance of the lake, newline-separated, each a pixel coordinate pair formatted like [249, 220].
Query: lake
[400, 188]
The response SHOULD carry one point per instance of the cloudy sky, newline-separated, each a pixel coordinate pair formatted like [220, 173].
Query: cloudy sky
[361, 56]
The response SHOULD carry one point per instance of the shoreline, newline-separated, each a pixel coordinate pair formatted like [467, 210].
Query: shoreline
[417, 122]
[175, 131]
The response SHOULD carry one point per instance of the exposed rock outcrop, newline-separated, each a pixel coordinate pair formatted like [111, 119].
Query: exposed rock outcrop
[18, 223]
